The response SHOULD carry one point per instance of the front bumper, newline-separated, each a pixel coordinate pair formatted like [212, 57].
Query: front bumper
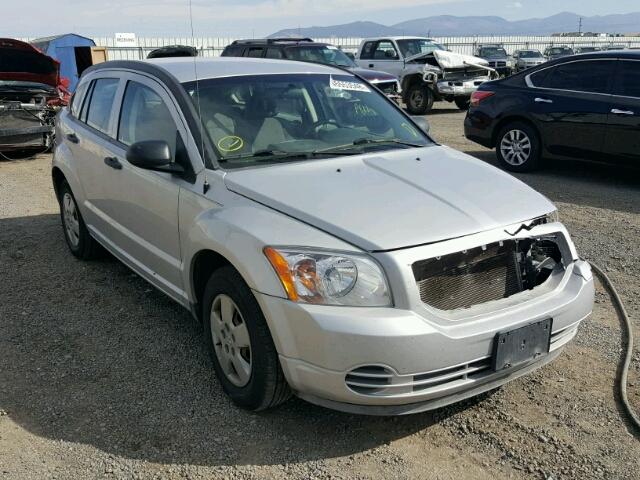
[433, 362]
[460, 88]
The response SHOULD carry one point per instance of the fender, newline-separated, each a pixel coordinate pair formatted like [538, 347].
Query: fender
[239, 232]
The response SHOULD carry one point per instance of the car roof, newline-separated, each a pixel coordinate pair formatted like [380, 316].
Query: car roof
[214, 67]
[611, 54]
[396, 38]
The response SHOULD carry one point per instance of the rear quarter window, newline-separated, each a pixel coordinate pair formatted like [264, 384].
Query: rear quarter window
[78, 97]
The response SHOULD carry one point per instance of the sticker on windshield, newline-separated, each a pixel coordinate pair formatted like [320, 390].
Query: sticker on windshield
[230, 143]
[344, 85]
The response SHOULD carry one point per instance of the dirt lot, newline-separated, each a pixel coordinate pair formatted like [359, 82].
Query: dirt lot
[103, 377]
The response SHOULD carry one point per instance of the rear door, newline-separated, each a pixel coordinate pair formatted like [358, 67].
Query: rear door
[623, 131]
[89, 143]
[570, 103]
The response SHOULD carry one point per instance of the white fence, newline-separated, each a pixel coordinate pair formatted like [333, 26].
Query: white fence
[212, 46]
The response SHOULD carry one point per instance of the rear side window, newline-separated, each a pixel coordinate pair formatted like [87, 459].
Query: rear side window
[145, 116]
[274, 53]
[628, 79]
[593, 76]
[101, 103]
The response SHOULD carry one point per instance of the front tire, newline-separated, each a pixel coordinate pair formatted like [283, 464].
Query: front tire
[240, 345]
[79, 240]
[518, 147]
[419, 99]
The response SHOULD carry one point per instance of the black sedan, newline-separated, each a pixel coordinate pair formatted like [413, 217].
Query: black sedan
[581, 107]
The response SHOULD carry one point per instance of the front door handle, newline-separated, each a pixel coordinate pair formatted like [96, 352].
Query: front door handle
[371, 65]
[113, 162]
[73, 138]
[542, 100]
[622, 112]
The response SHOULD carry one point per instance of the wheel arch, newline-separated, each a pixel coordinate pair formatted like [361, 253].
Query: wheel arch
[511, 119]
[57, 177]
[203, 264]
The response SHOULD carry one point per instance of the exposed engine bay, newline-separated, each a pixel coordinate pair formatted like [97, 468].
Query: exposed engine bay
[31, 93]
[27, 115]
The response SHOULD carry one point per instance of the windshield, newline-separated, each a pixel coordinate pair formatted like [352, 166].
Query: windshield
[328, 54]
[260, 119]
[493, 52]
[416, 46]
[530, 54]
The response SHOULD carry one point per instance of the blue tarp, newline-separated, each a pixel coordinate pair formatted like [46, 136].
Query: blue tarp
[62, 48]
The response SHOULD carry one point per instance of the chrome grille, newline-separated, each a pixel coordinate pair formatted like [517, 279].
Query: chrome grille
[377, 380]
[471, 277]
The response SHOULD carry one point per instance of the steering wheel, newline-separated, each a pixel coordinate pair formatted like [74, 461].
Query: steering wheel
[316, 126]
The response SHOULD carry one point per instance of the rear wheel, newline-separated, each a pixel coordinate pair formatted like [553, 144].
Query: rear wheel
[240, 344]
[78, 238]
[518, 147]
[462, 102]
[419, 99]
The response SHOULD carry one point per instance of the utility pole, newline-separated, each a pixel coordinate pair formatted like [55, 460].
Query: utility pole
[580, 26]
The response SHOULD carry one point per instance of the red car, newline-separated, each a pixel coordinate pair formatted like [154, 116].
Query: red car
[31, 93]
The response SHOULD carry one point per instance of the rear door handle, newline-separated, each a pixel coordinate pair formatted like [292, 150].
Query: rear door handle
[542, 100]
[73, 138]
[371, 65]
[621, 112]
[113, 162]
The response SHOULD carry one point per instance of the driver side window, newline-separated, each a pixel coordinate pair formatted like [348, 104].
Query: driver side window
[144, 116]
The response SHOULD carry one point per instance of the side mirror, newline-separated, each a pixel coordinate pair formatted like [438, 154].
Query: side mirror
[423, 123]
[153, 155]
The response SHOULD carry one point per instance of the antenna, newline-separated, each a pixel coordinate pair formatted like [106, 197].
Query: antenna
[205, 185]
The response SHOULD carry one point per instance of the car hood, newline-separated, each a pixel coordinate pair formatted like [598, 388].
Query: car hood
[373, 75]
[24, 63]
[447, 59]
[393, 199]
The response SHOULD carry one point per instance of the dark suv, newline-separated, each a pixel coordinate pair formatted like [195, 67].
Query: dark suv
[306, 50]
[581, 107]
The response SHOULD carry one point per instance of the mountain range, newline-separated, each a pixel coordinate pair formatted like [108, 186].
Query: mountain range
[448, 25]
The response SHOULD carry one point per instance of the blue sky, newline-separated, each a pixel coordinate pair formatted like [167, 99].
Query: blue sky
[261, 17]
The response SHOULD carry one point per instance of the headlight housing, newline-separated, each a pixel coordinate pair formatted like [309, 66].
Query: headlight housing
[329, 278]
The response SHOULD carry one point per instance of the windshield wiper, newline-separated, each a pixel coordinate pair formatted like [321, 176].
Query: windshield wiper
[368, 141]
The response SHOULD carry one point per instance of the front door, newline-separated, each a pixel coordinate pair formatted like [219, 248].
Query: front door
[623, 131]
[146, 219]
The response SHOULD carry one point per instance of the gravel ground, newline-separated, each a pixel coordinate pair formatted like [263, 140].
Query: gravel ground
[101, 376]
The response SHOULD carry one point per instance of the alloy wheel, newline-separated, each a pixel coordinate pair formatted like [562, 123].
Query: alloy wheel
[231, 341]
[71, 220]
[515, 147]
[417, 99]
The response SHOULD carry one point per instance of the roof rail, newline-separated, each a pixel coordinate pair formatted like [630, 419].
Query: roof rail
[267, 41]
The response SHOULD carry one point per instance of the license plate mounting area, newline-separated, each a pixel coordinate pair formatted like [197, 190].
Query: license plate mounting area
[521, 345]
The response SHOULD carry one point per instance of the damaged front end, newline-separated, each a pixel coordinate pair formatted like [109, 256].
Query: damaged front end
[453, 74]
[27, 116]
[30, 97]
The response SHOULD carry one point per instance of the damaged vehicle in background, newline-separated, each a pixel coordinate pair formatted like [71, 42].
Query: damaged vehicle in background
[306, 50]
[427, 71]
[31, 93]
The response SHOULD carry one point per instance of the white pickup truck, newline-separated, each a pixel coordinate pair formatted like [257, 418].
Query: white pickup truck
[427, 71]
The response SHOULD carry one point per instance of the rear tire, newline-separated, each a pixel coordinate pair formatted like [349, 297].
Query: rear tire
[419, 99]
[462, 103]
[518, 147]
[240, 345]
[79, 240]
